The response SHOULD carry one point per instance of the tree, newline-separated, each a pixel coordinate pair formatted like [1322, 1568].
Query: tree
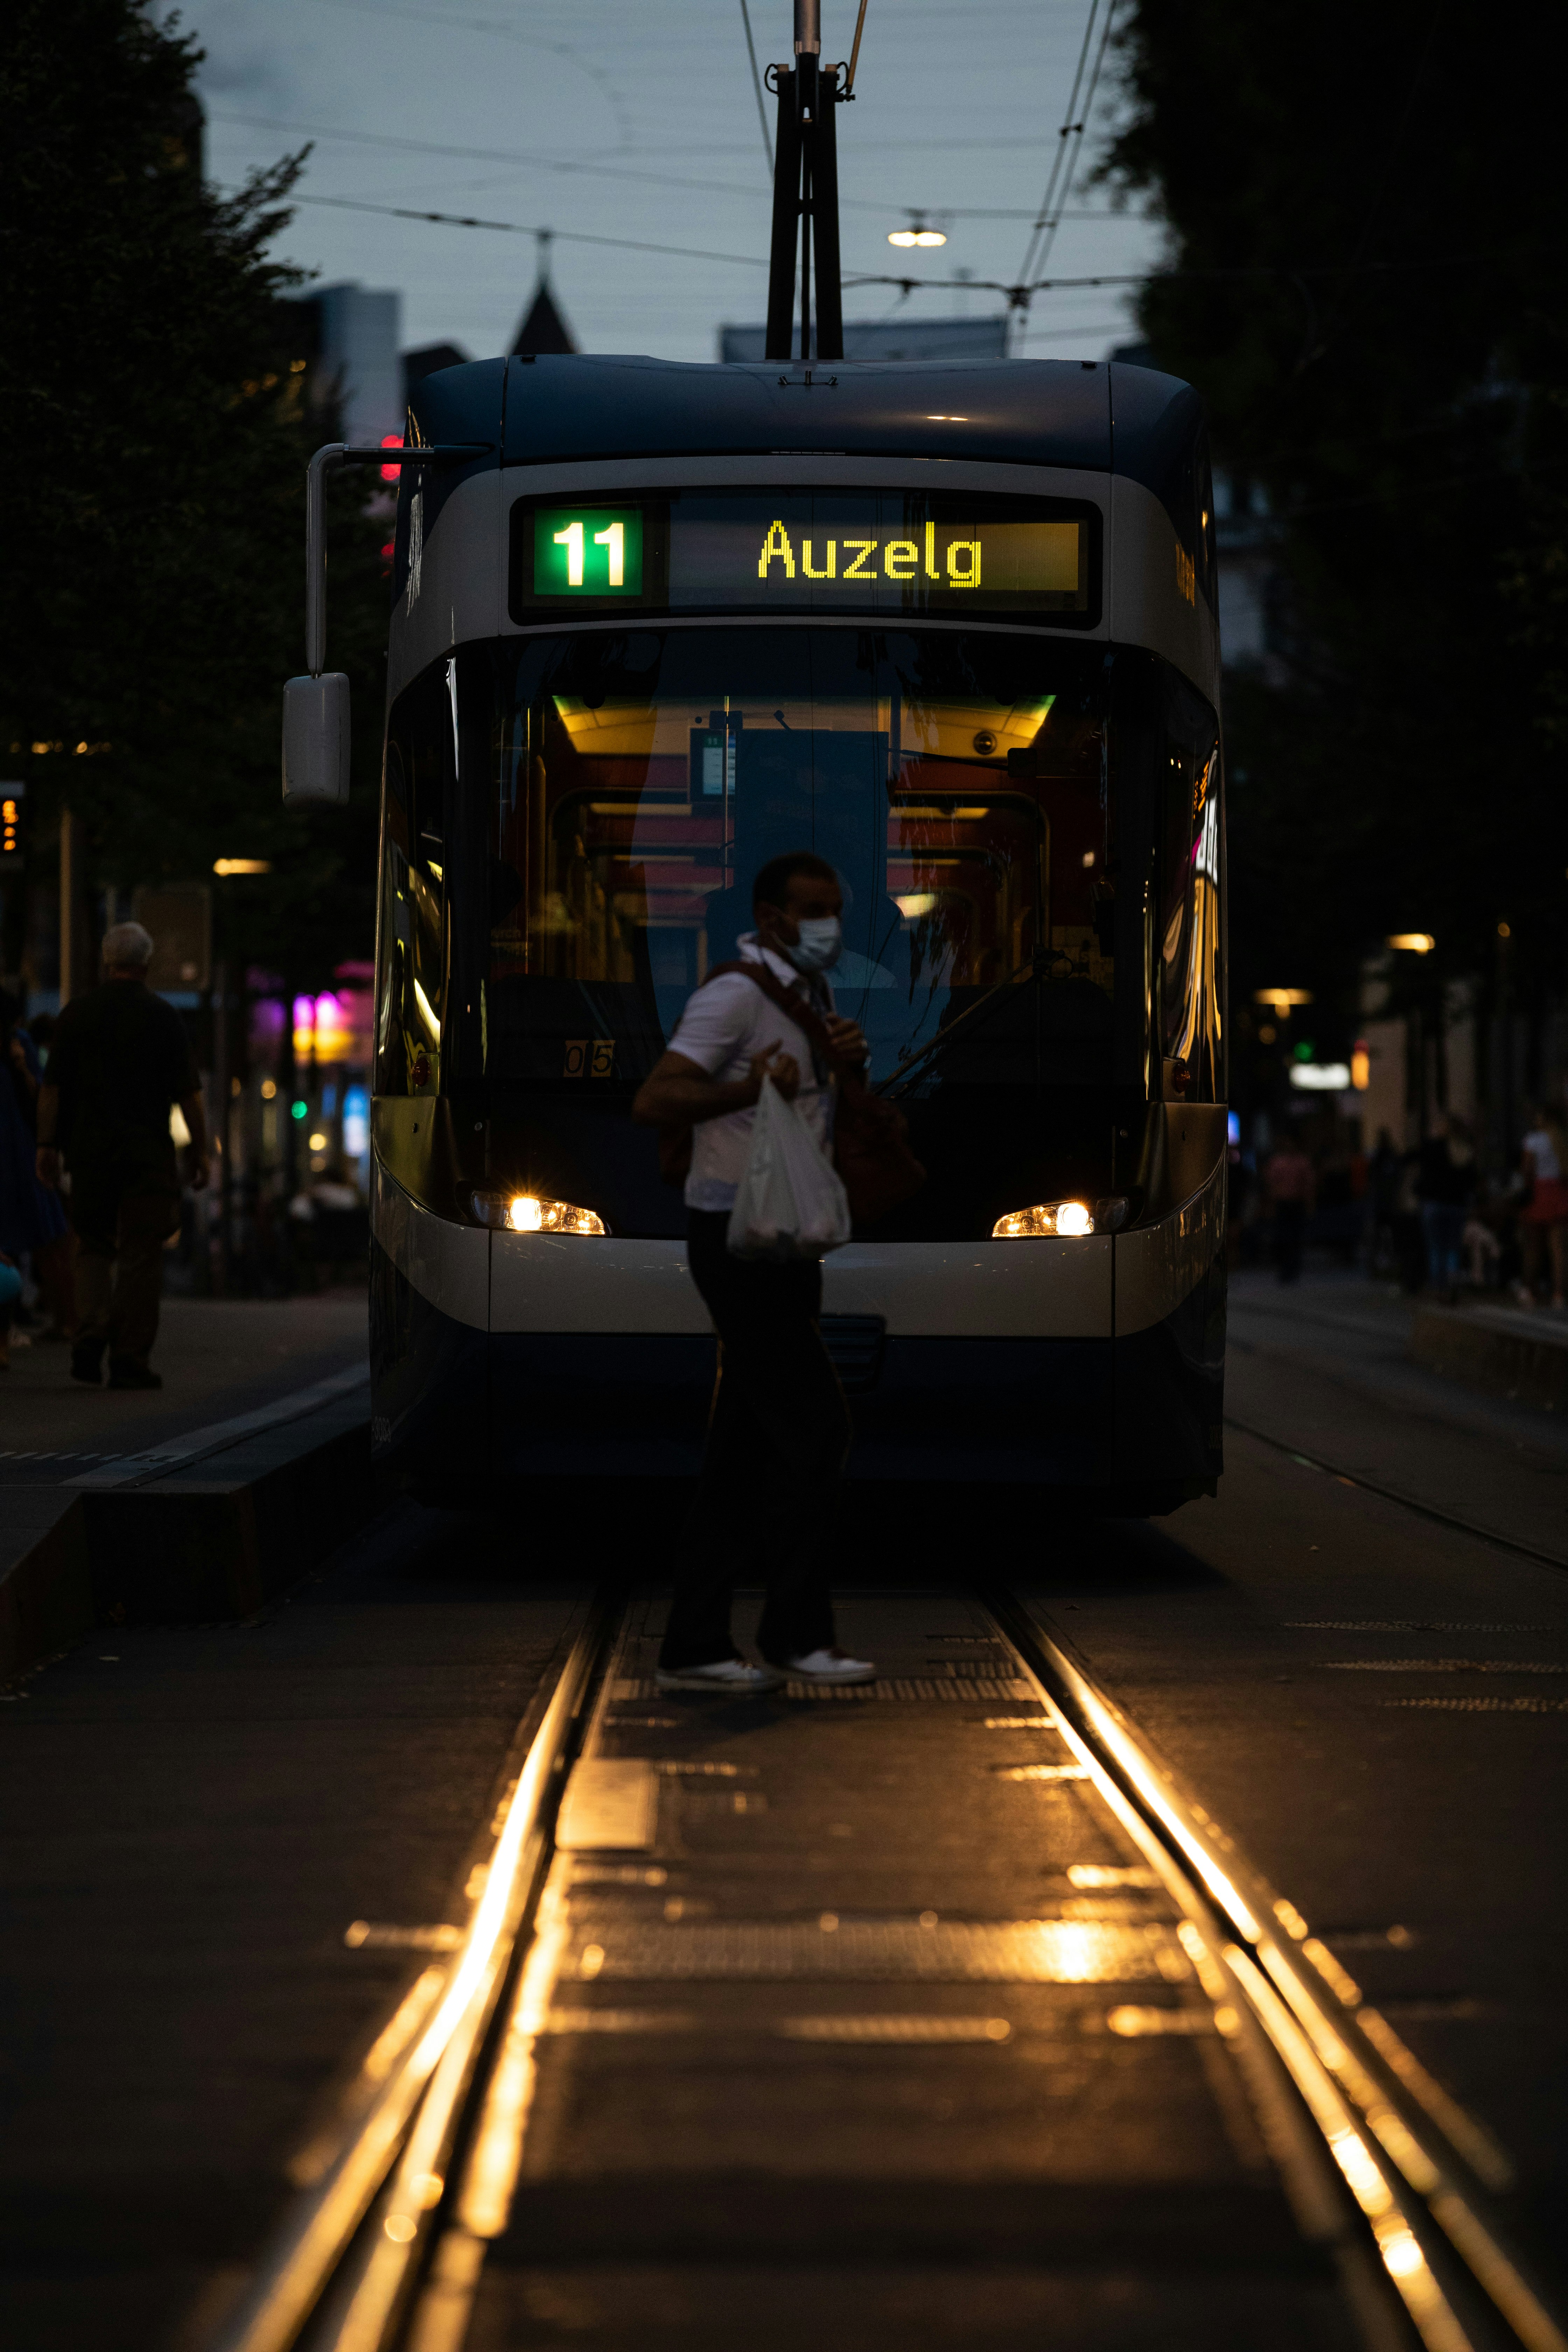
[156, 402]
[1364, 281]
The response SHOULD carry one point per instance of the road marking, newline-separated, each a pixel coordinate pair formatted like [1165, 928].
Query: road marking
[895, 2029]
[378, 1935]
[1441, 1667]
[1131, 2021]
[1094, 1874]
[891, 1686]
[622, 2020]
[1013, 1951]
[1487, 1706]
[1405, 1625]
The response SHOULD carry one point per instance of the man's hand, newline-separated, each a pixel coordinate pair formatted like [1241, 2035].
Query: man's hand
[848, 1040]
[200, 1171]
[782, 1068]
[48, 1166]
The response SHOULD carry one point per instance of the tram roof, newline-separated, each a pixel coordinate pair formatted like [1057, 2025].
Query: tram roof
[1101, 416]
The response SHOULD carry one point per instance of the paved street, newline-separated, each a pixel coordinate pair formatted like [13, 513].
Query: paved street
[232, 1851]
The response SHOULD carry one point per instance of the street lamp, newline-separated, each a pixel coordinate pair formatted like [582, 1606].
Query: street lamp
[916, 233]
[1411, 942]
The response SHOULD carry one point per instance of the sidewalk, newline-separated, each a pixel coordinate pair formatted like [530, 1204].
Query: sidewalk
[184, 1502]
[217, 1357]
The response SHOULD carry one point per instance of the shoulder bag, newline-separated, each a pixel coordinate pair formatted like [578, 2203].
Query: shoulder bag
[870, 1136]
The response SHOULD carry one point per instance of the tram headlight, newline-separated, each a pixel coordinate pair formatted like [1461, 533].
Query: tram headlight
[533, 1213]
[1071, 1219]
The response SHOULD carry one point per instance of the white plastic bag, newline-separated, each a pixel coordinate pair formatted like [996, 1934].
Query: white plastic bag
[790, 1203]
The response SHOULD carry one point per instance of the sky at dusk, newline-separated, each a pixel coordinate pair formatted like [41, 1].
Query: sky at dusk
[626, 120]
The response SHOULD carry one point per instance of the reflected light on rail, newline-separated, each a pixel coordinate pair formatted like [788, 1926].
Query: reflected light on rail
[1067, 1218]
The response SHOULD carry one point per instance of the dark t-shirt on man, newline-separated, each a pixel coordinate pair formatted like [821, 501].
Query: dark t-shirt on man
[120, 1058]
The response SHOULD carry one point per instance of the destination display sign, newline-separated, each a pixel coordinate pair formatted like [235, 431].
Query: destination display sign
[893, 552]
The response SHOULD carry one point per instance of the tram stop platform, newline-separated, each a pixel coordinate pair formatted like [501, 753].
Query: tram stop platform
[191, 1502]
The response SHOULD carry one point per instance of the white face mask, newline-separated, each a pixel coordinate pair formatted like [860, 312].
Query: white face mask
[820, 944]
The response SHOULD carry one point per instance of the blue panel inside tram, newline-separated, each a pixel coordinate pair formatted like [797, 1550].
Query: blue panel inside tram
[957, 782]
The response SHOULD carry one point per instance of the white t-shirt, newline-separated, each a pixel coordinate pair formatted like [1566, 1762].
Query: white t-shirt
[1543, 1156]
[725, 1024]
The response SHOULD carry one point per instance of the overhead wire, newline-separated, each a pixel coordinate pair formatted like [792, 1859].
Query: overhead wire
[520, 228]
[1070, 146]
[614, 171]
[1062, 137]
[757, 86]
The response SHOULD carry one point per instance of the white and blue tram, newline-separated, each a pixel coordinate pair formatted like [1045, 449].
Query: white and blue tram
[952, 626]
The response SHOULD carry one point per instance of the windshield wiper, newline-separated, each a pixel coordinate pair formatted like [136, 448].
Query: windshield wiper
[1036, 967]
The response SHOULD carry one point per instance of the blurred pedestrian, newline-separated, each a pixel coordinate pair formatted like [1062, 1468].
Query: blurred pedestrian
[1382, 1203]
[1543, 1221]
[10, 1292]
[1288, 1182]
[779, 1430]
[1481, 1251]
[118, 1063]
[32, 1223]
[1444, 1186]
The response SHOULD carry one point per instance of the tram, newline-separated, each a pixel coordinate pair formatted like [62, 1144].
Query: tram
[954, 627]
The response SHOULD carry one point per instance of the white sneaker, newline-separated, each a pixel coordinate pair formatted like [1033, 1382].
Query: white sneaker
[831, 1667]
[732, 1674]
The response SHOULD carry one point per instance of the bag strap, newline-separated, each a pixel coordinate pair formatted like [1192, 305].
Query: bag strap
[796, 1008]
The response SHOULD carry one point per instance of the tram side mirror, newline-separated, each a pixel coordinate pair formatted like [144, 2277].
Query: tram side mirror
[316, 742]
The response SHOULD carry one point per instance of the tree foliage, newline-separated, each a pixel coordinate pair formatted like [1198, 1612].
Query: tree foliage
[1366, 277]
[155, 399]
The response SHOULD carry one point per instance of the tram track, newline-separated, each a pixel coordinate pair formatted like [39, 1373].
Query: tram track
[1423, 2173]
[342, 2261]
[1386, 2176]
[1394, 1495]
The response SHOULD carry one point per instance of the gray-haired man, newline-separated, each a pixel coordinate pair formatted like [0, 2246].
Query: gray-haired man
[120, 1059]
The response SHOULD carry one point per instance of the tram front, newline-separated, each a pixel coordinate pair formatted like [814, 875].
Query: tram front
[985, 689]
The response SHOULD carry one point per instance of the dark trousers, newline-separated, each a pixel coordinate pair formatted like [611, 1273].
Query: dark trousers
[120, 1227]
[1289, 1238]
[777, 1438]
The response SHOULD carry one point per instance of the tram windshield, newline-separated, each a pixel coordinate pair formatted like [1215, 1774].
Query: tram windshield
[956, 780]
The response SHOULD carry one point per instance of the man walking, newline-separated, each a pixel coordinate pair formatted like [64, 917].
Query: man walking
[779, 1430]
[120, 1059]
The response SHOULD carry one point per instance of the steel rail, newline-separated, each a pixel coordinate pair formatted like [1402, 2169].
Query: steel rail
[1392, 1494]
[412, 2120]
[1418, 2168]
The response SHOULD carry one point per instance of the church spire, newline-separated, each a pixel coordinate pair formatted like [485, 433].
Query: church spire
[543, 332]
